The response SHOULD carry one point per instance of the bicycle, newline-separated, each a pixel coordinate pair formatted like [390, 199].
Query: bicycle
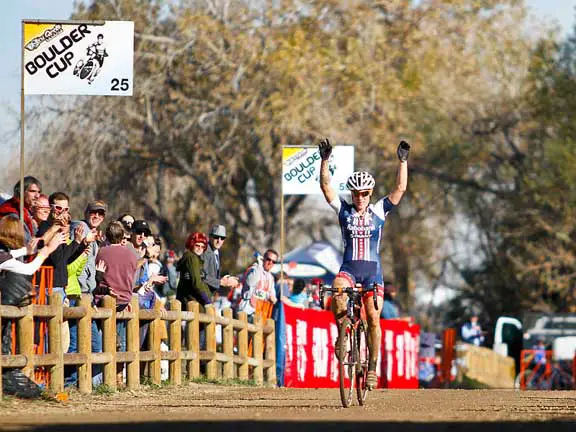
[353, 354]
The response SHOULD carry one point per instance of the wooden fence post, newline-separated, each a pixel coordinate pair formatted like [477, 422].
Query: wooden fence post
[109, 342]
[210, 336]
[193, 340]
[271, 352]
[243, 347]
[55, 343]
[258, 351]
[85, 345]
[228, 345]
[133, 346]
[154, 337]
[26, 340]
[176, 344]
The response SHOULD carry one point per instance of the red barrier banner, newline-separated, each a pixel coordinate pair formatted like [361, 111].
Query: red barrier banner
[310, 360]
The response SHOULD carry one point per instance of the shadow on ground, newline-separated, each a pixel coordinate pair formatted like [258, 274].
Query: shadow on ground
[307, 426]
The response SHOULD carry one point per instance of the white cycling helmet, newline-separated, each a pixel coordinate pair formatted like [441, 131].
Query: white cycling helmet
[360, 180]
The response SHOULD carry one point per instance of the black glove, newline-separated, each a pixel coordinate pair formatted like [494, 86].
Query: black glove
[325, 148]
[403, 151]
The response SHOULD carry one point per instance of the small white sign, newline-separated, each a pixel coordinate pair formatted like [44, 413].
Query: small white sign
[301, 169]
[79, 59]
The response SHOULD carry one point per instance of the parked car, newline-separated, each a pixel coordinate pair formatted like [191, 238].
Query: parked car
[512, 335]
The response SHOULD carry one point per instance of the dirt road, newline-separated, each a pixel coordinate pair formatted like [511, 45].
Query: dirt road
[214, 408]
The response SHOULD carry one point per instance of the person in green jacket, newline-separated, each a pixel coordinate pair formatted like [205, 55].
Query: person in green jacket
[191, 286]
[75, 269]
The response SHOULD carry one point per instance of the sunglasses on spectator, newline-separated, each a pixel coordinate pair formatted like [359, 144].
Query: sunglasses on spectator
[141, 232]
[60, 208]
[270, 259]
[361, 193]
[202, 245]
[218, 237]
[127, 222]
[101, 213]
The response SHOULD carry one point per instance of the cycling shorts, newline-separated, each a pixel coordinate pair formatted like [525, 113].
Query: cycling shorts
[362, 272]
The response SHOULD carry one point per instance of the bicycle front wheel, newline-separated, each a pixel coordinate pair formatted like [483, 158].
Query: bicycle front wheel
[347, 355]
[362, 364]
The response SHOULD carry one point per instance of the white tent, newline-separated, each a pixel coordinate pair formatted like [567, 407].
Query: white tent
[320, 259]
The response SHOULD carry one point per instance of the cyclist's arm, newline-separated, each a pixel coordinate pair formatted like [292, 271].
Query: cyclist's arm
[401, 183]
[327, 189]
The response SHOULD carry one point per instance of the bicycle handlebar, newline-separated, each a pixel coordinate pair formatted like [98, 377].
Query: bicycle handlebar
[350, 290]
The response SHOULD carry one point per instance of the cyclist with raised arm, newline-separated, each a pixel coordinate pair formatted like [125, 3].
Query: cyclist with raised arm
[361, 224]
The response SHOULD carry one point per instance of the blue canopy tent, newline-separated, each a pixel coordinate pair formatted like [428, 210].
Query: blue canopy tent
[318, 260]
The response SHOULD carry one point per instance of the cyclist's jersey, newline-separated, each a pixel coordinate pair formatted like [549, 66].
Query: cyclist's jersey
[362, 233]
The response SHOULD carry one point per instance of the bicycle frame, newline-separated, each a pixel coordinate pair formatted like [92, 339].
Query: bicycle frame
[352, 332]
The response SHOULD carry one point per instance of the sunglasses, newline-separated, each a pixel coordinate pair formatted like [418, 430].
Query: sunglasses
[218, 237]
[141, 232]
[361, 193]
[101, 213]
[60, 208]
[202, 245]
[270, 260]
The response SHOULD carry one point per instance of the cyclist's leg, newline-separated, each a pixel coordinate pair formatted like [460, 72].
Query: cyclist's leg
[374, 331]
[373, 318]
[342, 280]
[338, 304]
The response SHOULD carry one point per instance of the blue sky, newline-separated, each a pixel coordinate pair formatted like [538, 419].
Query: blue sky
[13, 11]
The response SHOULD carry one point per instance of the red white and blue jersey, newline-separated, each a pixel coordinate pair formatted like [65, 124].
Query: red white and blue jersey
[362, 233]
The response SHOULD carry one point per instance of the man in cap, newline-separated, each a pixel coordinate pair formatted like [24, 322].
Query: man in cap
[94, 215]
[140, 230]
[212, 259]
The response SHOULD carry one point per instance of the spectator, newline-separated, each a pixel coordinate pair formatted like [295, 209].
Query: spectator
[117, 266]
[32, 190]
[258, 284]
[191, 285]
[94, 215]
[284, 285]
[127, 237]
[299, 297]
[211, 257]
[11, 248]
[153, 255]
[127, 220]
[59, 219]
[472, 332]
[314, 300]
[170, 272]
[390, 308]
[539, 353]
[41, 209]
[16, 286]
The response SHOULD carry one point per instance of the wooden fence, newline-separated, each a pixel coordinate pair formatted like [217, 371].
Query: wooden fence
[228, 360]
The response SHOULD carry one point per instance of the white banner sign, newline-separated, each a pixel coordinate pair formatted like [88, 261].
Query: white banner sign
[301, 169]
[79, 59]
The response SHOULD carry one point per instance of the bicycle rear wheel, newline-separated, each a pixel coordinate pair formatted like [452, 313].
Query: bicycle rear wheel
[347, 364]
[362, 364]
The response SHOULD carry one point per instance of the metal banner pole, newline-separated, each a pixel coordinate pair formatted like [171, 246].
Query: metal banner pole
[22, 128]
[281, 238]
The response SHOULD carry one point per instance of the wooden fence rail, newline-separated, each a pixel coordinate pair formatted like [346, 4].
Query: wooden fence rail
[228, 360]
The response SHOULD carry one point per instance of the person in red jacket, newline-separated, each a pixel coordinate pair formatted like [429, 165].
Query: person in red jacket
[32, 191]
